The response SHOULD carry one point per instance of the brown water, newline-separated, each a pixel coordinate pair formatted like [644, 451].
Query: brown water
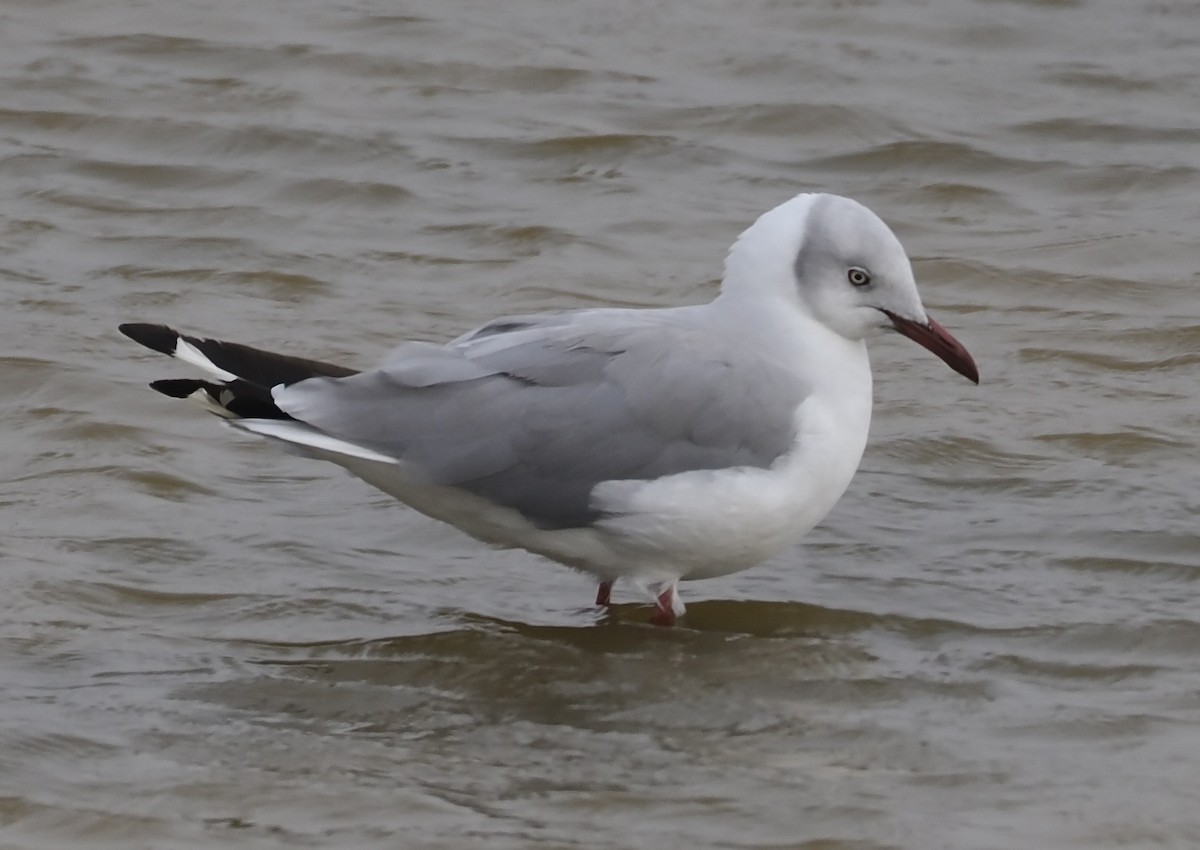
[993, 641]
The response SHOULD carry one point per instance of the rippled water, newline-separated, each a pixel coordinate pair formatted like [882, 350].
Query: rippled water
[991, 643]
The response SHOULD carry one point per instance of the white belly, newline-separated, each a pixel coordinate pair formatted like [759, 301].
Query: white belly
[710, 523]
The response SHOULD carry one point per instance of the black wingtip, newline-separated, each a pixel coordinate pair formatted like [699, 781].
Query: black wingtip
[240, 399]
[178, 387]
[157, 337]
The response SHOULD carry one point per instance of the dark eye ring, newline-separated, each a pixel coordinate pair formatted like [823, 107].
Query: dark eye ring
[858, 277]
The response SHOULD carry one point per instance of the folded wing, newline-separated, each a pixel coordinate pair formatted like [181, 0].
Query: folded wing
[534, 413]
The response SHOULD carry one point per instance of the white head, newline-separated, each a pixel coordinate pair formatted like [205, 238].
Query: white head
[839, 263]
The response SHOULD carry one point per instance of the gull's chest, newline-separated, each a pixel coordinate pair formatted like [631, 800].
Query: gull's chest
[712, 522]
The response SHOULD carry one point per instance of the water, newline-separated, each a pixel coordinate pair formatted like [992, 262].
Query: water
[992, 642]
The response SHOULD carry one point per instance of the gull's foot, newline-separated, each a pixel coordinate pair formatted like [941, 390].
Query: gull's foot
[667, 605]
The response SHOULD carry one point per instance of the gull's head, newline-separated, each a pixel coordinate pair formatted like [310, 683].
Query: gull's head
[839, 263]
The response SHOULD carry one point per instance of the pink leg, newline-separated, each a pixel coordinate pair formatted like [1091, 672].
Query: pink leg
[604, 594]
[664, 607]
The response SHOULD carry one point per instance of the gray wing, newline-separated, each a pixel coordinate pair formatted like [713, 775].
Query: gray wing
[534, 413]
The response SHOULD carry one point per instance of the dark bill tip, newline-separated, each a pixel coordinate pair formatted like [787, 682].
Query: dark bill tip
[940, 341]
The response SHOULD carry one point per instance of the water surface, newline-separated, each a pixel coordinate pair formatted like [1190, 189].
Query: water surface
[992, 642]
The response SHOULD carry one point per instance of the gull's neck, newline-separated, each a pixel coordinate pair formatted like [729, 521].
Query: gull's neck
[763, 257]
[776, 321]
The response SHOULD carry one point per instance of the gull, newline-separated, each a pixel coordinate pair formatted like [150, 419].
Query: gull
[651, 445]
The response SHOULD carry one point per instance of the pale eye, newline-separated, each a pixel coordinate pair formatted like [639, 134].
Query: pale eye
[858, 277]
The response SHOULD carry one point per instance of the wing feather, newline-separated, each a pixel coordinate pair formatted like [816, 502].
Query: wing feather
[533, 414]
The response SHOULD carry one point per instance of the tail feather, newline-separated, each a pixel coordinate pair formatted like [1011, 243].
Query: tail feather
[244, 375]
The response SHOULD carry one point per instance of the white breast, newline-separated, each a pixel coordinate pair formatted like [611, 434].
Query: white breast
[713, 522]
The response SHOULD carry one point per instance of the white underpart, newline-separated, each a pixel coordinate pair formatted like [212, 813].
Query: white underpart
[319, 443]
[714, 522]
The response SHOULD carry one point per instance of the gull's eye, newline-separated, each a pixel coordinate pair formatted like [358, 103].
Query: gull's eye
[858, 277]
